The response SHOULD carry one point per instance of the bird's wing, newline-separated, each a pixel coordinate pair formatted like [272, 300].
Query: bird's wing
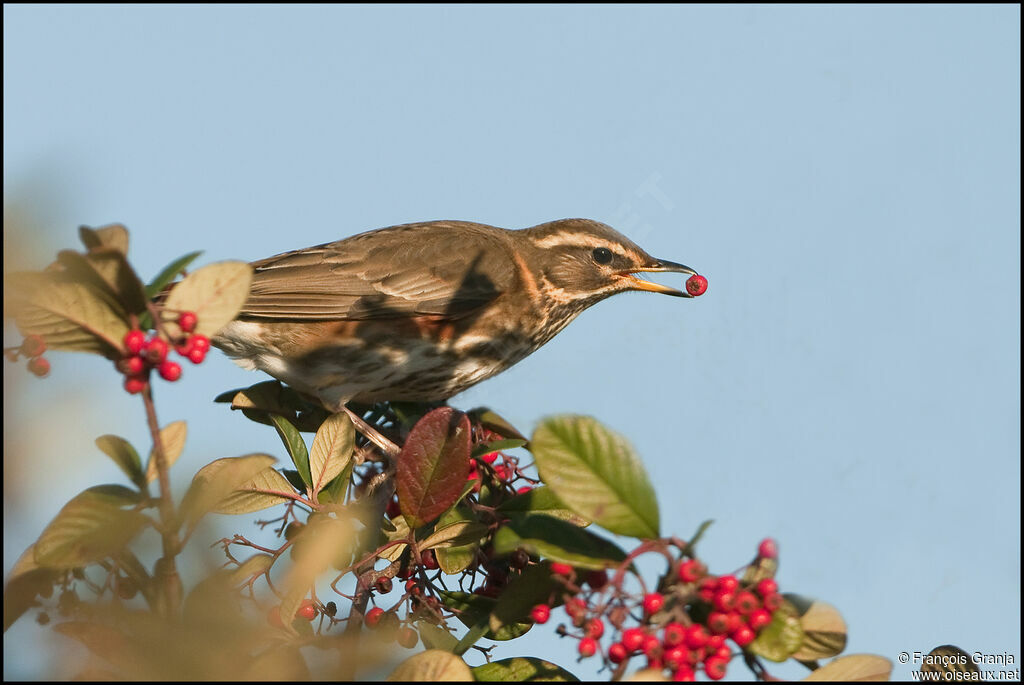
[444, 269]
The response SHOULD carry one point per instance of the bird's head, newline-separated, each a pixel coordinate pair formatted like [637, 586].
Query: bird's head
[582, 261]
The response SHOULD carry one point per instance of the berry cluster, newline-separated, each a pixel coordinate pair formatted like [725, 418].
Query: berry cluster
[32, 347]
[142, 355]
[683, 630]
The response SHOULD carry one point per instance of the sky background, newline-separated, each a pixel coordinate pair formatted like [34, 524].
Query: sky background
[848, 178]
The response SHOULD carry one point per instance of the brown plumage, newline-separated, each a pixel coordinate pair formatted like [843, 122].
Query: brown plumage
[423, 311]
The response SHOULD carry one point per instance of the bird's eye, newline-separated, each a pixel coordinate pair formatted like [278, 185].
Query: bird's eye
[602, 255]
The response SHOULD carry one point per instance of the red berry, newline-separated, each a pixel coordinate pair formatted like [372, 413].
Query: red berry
[576, 607]
[653, 603]
[135, 384]
[684, 674]
[199, 342]
[429, 560]
[523, 489]
[691, 570]
[674, 634]
[40, 366]
[412, 588]
[618, 653]
[767, 586]
[597, 579]
[560, 569]
[407, 637]
[724, 601]
[134, 341]
[722, 652]
[735, 621]
[540, 613]
[188, 321]
[501, 472]
[307, 611]
[156, 350]
[746, 602]
[651, 646]
[715, 667]
[743, 636]
[384, 585]
[594, 628]
[196, 356]
[131, 366]
[714, 642]
[170, 371]
[373, 617]
[491, 457]
[758, 619]
[696, 285]
[33, 346]
[768, 549]
[676, 656]
[696, 637]
[718, 622]
[728, 583]
[633, 639]
[587, 647]
[772, 602]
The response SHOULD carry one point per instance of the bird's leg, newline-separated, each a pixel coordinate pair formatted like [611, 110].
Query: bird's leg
[372, 434]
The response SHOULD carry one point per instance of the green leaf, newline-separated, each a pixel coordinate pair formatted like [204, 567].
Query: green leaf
[113, 236]
[456, 559]
[337, 489]
[109, 272]
[781, 638]
[436, 638]
[92, 526]
[433, 665]
[557, 540]
[216, 293]
[433, 465]
[494, 423]
[216, 481]
[332, 449]
[522, 670]
[256, 494]
[124, 455]
[541, 500]
[597, 474]
[475, 610]
[25, 582]
[172, 437]
[295, 445]
[855, 668]
[535, 585]
[68, 314]
[255, 565]
[169, 273]
[453, 535]
[823, 626]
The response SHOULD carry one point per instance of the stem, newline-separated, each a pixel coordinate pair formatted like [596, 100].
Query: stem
[165, 575]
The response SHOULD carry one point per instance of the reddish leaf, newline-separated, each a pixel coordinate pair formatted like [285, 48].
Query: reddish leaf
[433, 465]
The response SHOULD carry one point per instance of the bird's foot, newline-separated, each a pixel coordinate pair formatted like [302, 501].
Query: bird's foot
[372, 434]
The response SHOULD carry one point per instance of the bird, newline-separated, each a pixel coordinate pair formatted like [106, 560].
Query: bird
[420, 312]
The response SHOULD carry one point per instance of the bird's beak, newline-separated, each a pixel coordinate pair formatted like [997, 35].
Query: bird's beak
[662, 265]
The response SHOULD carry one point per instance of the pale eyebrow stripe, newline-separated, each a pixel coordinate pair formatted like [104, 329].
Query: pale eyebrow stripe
[574, 240]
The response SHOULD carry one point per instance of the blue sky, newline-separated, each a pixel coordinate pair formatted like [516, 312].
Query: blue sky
[847, 178]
